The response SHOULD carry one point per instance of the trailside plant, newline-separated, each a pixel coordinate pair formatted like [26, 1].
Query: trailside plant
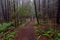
[5, 26]
[50, 34]
[57, 36]
[10, 36]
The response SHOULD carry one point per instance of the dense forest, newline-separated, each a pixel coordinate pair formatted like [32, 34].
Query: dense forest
[36, 19]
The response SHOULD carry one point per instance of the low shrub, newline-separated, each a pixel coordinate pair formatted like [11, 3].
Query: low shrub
[5, 26]
[50, 33]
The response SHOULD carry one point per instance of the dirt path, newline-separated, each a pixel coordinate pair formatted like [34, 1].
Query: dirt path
[26, 33]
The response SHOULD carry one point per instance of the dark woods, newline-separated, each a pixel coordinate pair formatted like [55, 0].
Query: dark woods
[49, 10]
[58, 13]
[8, 8]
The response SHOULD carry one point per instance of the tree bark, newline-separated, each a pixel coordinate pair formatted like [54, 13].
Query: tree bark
[3, 11]
[36, 11]
[39, 5]
[58, 13]
[14, 5]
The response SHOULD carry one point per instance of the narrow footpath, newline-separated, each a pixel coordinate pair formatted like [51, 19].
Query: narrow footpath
[26, 33]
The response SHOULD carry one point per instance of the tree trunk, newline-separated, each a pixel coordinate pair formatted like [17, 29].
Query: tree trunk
[14, 5]
[58, 13]
[39, 5]
[3, 11]
[36, 11]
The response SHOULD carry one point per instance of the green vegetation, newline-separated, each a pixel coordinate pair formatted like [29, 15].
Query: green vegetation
[10, 36]
[23, 11]
[57, 36]
[5, 26]
[50, 33]
[24, 23]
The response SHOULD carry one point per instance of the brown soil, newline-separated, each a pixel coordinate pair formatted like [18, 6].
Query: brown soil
[26, 33]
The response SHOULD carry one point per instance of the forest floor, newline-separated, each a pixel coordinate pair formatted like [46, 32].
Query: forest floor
[26, 33]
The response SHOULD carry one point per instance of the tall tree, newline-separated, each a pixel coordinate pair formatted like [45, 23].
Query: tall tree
[14, 5]
[44, 9]
[58, 13]
[39, 5]
[36, 11]
[3, 10]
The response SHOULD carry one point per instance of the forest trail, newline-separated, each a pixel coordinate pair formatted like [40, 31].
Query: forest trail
[26, 33]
